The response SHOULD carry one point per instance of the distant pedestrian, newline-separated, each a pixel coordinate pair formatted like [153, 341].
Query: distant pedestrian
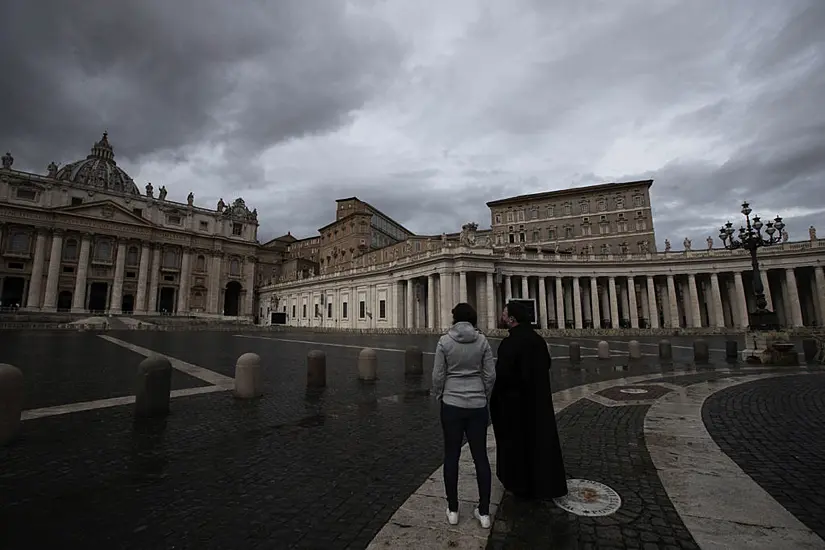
[463, 378]
[529, 458]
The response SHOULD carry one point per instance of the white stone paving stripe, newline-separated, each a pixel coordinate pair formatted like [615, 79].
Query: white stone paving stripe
[200, 373]
[720, 504]
[56, 410]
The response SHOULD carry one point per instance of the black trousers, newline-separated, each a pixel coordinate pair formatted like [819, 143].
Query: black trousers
[457, 422]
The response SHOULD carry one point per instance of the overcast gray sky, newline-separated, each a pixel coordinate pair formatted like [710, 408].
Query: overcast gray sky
[427, 109]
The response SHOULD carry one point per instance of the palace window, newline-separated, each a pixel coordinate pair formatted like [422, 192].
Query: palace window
[77, 201]
[203, 225]
[70, 251]
[621, 226]
[237, 229]
[619, 203]
[604, 228]
[20, 242]
[586, 232]
[638, 200]
[551, 211]
[568, 232]
[235, 268]
[26, 194]
[568, 209]
[343, 310]
[536, 236]
[293, 310]
[498, 218]
[604, 249]
[521, 215]
[551, 234]
[585, 208]
[512, 238]
[173, 219]
[132, 256]
[362, 309]
[304, 311]
[382, 309]
[329, 310]
[103, 251]
[602, 205]
[640, 225]
[200, 264]
[521, 237]
[170, 258]
[534, 213]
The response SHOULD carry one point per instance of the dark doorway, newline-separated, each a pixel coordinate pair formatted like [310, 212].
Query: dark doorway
[64, 301]
[97, 296]
[166, 300]
[128, 304]
[13, 291]
[232, 298]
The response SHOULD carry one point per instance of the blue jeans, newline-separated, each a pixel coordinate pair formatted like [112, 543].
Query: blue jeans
[457, 422]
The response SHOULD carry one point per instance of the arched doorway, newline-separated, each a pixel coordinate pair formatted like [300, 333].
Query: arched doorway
[64, 301]
[12, 295]
[166, 300]
[232, 299]
[98, 293]
[128, 303]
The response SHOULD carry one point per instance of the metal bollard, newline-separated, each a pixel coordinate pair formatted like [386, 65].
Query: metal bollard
[732, 350]
[11, 401]
[665, 350]
[154, 387]
[701, 354]
[413, 361]
[604, 350]
[248, 376]
[367, 364]
[316, 369]
[575, 352]
[634, 349]
[810, 348]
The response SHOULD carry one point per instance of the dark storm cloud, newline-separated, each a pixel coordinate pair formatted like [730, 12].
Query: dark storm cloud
[164, 74]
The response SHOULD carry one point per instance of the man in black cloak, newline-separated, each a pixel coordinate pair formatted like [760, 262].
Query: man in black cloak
[529, 458]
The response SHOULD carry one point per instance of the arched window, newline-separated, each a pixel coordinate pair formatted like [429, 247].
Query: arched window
[70, 251]
[103, 251]
[170, 258]
[132, 256]
[200, 264]
[234, 267]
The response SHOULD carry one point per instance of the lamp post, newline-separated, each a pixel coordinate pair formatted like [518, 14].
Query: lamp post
[751, 238]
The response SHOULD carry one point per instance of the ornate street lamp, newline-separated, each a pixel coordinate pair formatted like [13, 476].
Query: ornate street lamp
[751, 238]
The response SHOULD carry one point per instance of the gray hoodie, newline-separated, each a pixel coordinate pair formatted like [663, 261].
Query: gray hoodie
[464, 370]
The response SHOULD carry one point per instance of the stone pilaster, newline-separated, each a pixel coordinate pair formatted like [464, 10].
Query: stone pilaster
[410, 309]
[249, 302]
[143, 275]
[614, 302]
[793, 298]
[716, 296]
[542, 298]
[577, 303]
[154, 280]
[672, 302]
[560, 303]
[525, 288]
[215, 276]
[767, 288]
[508, 289]
[431, 302]
[36, 281]
[652, 305]
[462, 286]
[53, 276]
[595, 311]
[632, 306]
[117, 285]
[819, 278]
[741, 299]
[185, 277]
[693, 293]
[491, 302]
[79, 295]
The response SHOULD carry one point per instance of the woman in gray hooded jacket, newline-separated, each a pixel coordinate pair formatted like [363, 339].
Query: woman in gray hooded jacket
[463, 376]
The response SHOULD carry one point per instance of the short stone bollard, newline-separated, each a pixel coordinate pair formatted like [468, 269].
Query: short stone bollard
[367, 364]
[665, 350]
[11, 401]
[701, 354]
[154, 387]
[604, 350]
[413, 361]
[732, 350]
[316, 369]
[248, 376]
[634, 349]
[810, 348]
[575, 352]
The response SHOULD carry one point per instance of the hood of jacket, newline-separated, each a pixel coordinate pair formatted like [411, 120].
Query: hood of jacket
[463, 332]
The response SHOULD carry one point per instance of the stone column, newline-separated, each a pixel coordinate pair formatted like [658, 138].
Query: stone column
[154, 280]
[653, 308]
[409, 310]
[819, 277]
[577, 303]
[392, 306]
[508, 289]
[525, 289]
[560, 303]
[183, 286]
[672, 303]
[633, 308]
[693, 292]
[595, 310]
[614, 302]
[79, 296]
[542, 298]
[491, 302]
[143, 275]
[53, 276]
[716, 296]
[249, 265]
[462, 286]
[741, 300]
[765, 284]
[793, 297]
[36, 281]
[117, 285]
[215, 273]
[431, 301]
[446, 293]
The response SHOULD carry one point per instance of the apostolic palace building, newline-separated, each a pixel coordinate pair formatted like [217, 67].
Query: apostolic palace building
[83, 238]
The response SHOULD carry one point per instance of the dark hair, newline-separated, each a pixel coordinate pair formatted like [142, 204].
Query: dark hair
[518, 311]
[464, 312]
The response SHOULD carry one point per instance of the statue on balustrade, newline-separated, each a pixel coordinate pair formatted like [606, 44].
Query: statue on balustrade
[667, 245]
[710, 243]
[8, 160]
[52, 169]
[687, 244]
[162, 193]
[190, 199]
[812, 232]
[221, 205]
[443, 240]
[785, 236]
[150, 191]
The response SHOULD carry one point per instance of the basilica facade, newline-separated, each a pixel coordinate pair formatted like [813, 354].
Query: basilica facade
[83, 238]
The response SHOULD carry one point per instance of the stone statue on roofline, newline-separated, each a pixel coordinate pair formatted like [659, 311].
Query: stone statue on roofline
[710, 242]
[812, 233]
[687, 244]
[667, 245]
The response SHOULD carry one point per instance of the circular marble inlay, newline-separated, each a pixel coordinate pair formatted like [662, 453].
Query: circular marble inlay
[589, 498]
[633, 390]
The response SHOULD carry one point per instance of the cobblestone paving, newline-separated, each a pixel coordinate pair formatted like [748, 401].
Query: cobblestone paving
[604, 444]
[775, 431]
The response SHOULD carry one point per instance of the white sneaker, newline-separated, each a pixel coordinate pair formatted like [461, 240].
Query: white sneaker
[483, 520]
[452, 517]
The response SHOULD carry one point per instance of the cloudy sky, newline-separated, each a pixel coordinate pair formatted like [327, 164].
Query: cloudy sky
[427, 109]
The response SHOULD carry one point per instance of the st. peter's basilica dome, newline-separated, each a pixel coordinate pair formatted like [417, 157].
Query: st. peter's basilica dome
[99, 170]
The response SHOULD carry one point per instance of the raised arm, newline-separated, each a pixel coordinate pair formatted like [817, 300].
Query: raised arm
[439, 372]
